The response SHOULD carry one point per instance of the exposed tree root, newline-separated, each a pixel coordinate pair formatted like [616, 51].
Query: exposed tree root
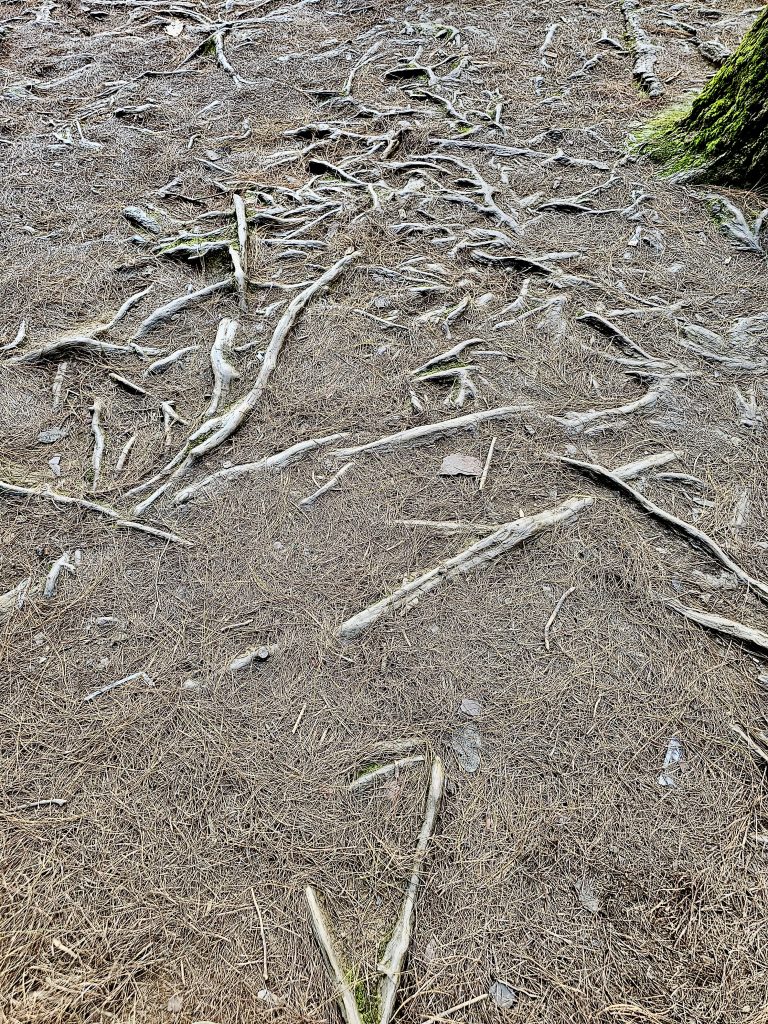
[486, 550]
[391, 964]
[367, 779]
[344, 991]
[420, 435]
[211, 434]
[170, 309]
[646, 53]
[272, 462]
[726, 627]
[90, 506]
[327, 486]
[690, 531]
[577, 421]
[223, 371]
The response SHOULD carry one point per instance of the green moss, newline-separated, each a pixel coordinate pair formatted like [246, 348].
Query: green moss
[367, 1003]
[722, 132]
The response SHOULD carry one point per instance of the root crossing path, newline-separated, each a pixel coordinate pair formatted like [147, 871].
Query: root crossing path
[384, 534]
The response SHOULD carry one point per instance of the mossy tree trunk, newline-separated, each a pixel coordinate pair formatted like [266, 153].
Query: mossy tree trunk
[723, 134]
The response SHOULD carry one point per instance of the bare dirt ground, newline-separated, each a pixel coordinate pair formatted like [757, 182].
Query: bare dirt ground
[158, 837]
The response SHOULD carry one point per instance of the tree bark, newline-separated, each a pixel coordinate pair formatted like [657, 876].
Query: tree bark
[722, 135]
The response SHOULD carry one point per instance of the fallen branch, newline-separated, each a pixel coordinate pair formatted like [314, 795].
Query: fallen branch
[125, 452]
[98, 440]
[119, 682]
[418, 435]
[550, 621]
[506, 537]
[690, 531]
[726, 627]
[391, 964]
[248, 657]
[279, 461]
[211, 434]
[328, 486]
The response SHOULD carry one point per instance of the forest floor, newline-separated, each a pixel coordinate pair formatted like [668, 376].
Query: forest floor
[462, 172]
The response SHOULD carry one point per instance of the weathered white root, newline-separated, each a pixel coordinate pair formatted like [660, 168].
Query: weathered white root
[98, 441]
[162, 364]
[123, 312]
[327, 486]
[502, 540]
[127, 383]
[644, 50]
[344, 991]
[126, 450]
[367, 779]
[119, 682]
[726, 627]
[211, 434]
[223, 371]
[175, 306]
[91, 506]
[170, 416]
[447, 357]
[241, 284]
[577, 421]
[13, 599]
[462, 386]
[631, 470]
[690, 531]
[746, 407]
[419, 435]
[74, 343]
[61, 563]
[58, 383]
[555, 612]
[248, 657]
[19, 337]
[242, 230]
[391, 964]
[273, 462]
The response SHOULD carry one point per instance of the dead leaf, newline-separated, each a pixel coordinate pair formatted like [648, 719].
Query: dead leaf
[175, 1003]
[503, 995]
[587, 896]
[461, 465]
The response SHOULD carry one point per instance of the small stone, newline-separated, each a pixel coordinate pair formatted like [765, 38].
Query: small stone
[55, 465]
[192, 684]
[471, 707]
[52, 435]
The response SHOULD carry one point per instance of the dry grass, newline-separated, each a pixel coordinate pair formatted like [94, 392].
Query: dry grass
[188, 809]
